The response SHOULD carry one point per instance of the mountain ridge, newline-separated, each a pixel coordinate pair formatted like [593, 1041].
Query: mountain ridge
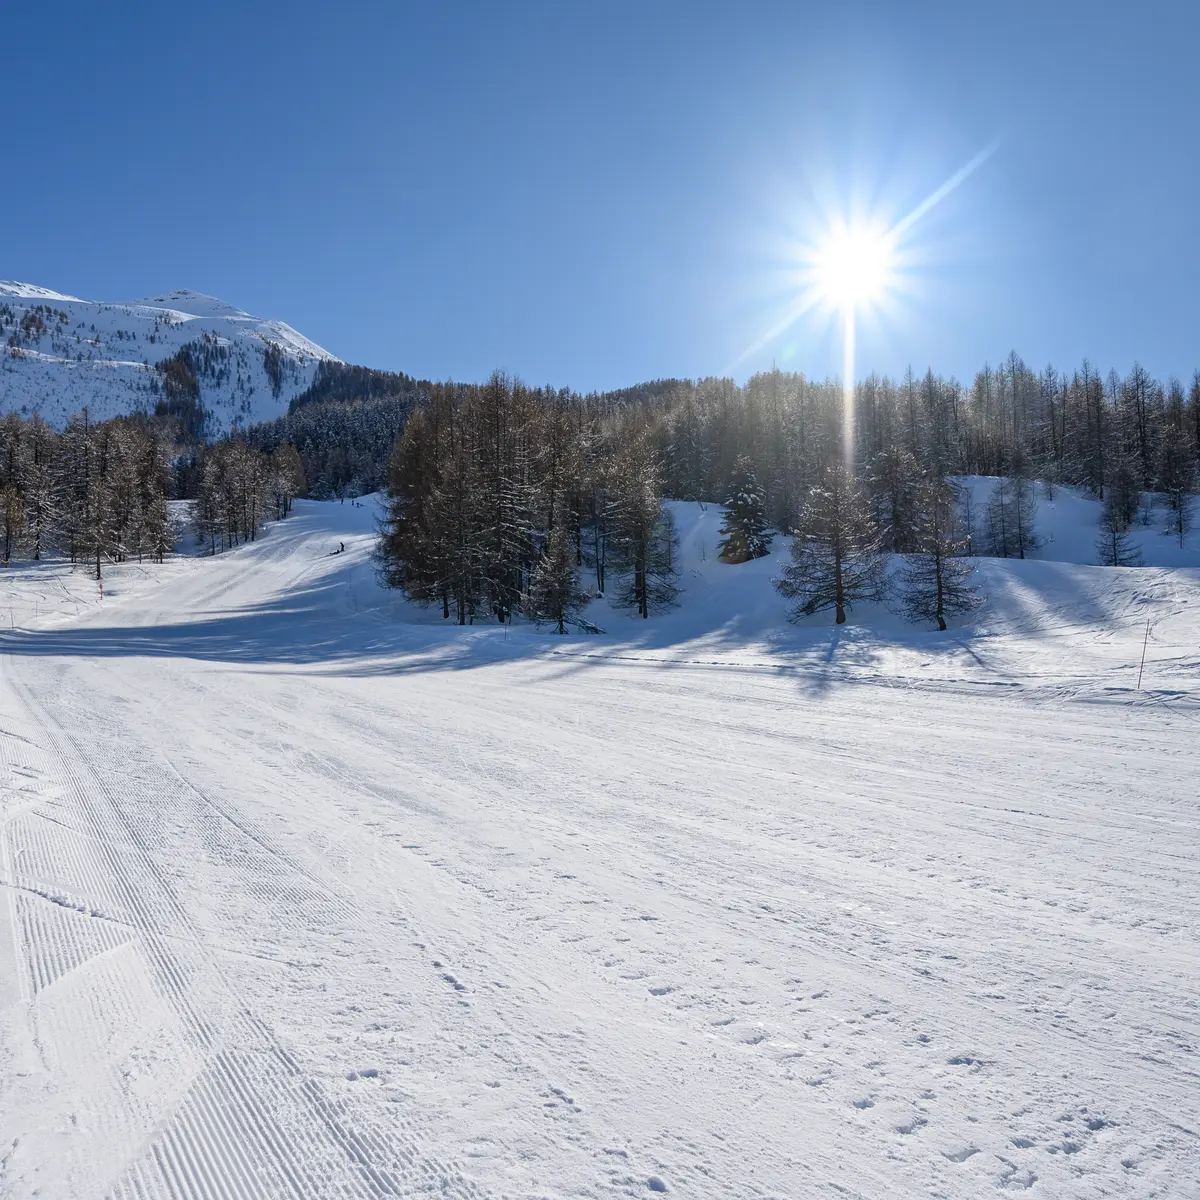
[62, 353]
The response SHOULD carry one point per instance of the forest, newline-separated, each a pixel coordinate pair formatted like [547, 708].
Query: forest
[97, 493]
[94, 493]
[506, 499]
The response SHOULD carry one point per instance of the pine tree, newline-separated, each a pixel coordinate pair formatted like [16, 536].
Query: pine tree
[836, 560]
[599, 509]
[408, 550]
[92, 532]
[500, 417]
[936, 579]
[554, 595]
[744, 529]
[12, 518]
[662, 564]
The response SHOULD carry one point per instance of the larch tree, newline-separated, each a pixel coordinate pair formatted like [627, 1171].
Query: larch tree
[936, 578]
[554, 596]
[836, 558]
[1177, 469]
[646, 539]
[1114, 546]
[1011, 510]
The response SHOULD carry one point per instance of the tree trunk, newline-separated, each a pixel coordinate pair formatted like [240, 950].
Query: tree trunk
[839, 588]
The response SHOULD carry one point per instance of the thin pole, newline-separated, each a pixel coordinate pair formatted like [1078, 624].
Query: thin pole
[1143, 666]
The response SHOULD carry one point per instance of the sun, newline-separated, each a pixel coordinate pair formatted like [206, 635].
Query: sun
[854, 265]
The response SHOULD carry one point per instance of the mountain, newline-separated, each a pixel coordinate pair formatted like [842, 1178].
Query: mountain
[193, 355]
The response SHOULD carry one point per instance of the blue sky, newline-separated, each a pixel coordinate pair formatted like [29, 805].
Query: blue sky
[594, 195]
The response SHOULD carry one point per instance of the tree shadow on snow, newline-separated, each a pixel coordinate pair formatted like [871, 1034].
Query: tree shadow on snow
[316, 628]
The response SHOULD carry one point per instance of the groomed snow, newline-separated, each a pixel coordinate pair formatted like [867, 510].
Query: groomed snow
[306, 894]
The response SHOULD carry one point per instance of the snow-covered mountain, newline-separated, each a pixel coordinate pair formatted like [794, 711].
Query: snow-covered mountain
[59, 353]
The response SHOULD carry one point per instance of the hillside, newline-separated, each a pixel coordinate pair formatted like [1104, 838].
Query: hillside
[183, 349]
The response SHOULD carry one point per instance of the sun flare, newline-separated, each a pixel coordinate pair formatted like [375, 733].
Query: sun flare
[854, 266]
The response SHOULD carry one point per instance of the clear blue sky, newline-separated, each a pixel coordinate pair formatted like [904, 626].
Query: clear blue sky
[598, 194]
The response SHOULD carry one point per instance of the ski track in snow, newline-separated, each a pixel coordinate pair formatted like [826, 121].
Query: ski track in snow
[302, 895]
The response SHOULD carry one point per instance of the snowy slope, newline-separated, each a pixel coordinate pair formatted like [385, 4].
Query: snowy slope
[303, 893]
[1068, 526]
[59, 354]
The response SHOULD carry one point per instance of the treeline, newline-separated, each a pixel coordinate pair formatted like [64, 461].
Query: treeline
[342, 383]
[1130, 433]
[506, 499]
[496, 489]
[96, 493]
[1101, 432]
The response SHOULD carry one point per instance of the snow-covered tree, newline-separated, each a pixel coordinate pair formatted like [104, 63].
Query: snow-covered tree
[1123, 490]
[744, 530]
[286, 478]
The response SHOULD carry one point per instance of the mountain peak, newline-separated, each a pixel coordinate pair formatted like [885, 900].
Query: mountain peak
[195, 304]
[104, 356]
[30, 291]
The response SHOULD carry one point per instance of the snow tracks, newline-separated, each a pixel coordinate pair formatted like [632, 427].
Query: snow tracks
[138, 1066]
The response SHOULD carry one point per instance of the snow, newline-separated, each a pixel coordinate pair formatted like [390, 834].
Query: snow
[1068, 526]
[31, 291]
[306, 893]
[102, 356]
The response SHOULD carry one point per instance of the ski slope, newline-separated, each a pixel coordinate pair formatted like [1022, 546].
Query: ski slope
[63, 354]
[306, 895]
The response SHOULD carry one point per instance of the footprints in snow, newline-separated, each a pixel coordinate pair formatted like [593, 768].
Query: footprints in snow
[960, 1156]
[445, 975]
[557, 1098]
